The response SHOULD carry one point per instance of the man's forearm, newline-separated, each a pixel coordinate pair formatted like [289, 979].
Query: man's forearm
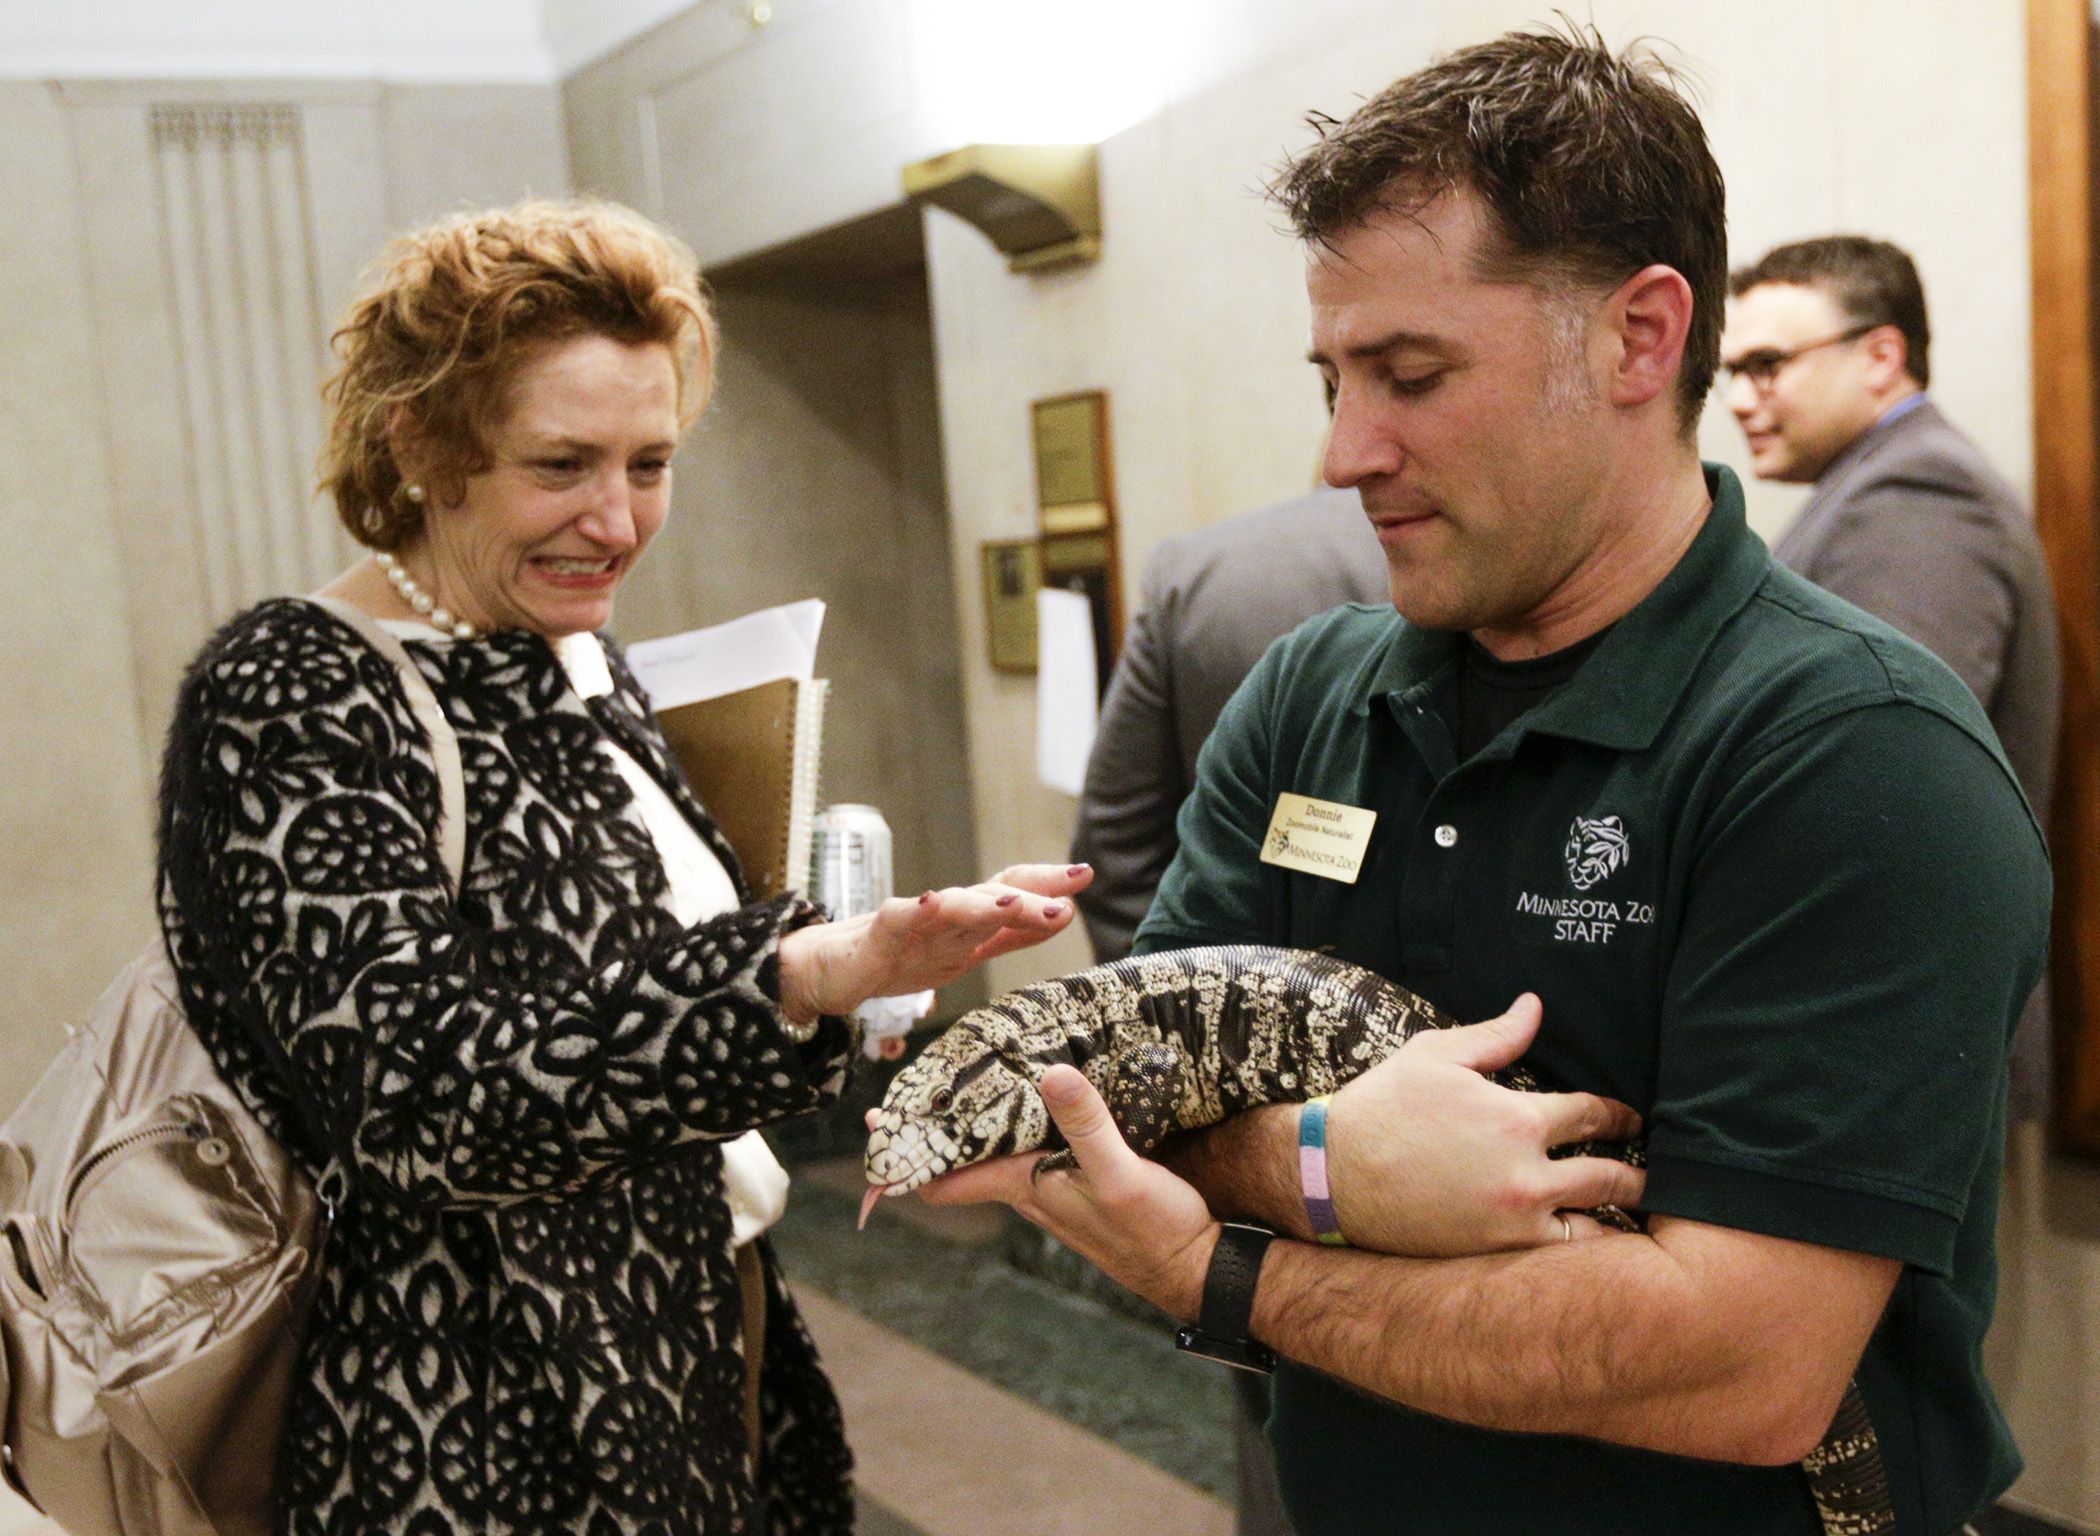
[1694, 1339]
[1246, 1169]
[1615, 1338]
[1620, 1338]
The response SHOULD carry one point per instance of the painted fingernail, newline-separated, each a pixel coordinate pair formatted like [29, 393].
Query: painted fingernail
[926, 900]
[1005, 901]
[1054, 909]
[1078, 869]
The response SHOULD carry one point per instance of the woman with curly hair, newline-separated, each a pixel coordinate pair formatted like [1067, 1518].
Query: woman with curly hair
[529, 1316]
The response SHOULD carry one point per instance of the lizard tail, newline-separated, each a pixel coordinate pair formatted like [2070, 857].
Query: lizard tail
[1845, 1474]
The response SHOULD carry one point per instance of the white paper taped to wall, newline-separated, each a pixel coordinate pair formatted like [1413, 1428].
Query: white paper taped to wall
[1066, 689]
[706, 663]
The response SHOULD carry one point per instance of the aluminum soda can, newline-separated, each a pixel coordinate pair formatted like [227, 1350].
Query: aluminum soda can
[850, 849]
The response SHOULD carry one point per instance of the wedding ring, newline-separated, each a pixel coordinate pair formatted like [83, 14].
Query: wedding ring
[1567, 1227]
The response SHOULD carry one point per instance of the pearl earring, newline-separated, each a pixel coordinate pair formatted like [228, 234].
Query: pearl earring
[413, 492]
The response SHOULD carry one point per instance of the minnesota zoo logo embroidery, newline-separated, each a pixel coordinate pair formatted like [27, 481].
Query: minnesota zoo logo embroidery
[1596, 848]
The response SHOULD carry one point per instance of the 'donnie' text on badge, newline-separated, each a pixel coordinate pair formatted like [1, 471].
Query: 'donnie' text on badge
[1318, 837]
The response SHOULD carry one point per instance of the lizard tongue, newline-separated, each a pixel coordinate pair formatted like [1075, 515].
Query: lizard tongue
[867, 1205]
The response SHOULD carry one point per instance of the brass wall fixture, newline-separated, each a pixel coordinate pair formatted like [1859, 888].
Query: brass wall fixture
[1038, 203]
[1012, 572]
[1075, 543]
[1076, 512]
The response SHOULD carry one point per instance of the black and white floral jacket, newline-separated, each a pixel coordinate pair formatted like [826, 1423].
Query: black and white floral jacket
[528, 1319]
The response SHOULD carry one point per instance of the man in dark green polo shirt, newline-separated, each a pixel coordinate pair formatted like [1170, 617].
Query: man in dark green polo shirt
[1755, 859]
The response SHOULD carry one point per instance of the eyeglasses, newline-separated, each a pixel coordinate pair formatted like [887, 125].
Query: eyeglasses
[1761, 368]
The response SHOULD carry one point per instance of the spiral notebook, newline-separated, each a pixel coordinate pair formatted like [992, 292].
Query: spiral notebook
[745, 719]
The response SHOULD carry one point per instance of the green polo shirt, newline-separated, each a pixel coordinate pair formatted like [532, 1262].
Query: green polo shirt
[1764, 862]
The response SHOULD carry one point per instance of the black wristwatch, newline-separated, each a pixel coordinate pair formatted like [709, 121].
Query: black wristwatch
[1220, 1330]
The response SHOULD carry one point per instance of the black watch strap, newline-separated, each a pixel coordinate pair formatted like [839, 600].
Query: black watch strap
[1220, 1330]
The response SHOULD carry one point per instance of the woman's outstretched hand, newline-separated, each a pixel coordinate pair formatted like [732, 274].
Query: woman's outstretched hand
[911, 943]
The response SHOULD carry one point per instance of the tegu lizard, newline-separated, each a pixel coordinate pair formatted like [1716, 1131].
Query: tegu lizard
[1184, 1039]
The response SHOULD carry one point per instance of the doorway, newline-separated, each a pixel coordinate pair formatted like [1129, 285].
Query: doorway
[816, 472]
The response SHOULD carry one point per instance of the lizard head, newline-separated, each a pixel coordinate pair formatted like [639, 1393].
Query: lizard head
[961, 1102]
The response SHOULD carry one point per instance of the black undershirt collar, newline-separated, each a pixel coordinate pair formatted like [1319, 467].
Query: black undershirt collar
[1493, 693]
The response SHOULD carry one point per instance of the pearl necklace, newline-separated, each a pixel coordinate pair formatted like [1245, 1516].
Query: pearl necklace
[422, 601]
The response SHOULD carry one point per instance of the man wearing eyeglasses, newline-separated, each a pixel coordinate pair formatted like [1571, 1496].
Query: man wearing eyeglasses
[1826, 363]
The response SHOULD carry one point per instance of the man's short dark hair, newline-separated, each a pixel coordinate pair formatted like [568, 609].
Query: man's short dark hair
[1874, 283]
[1592, 165]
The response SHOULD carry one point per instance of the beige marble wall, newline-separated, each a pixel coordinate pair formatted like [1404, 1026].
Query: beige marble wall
[744, 137]
[102, 504]
[459, 40]
[448, 147]
[75, 816]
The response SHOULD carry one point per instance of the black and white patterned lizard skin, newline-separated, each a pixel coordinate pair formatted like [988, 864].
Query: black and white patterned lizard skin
[1184, 1039]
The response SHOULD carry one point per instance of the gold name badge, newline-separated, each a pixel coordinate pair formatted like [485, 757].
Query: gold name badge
[1318, 837]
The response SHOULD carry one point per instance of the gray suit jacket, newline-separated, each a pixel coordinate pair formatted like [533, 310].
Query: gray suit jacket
[1912, 524]
[1213, 601]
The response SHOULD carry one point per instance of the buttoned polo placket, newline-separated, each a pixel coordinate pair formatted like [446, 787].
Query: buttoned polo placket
[1619, 701]
[1454, 827]
[1429, 888]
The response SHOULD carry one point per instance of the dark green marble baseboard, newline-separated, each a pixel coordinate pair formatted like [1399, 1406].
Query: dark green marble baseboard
[1067, 1353]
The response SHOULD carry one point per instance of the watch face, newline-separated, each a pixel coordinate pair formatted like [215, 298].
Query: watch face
[1244, 1354]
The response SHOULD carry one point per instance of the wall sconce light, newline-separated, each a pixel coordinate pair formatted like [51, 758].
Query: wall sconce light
[1039, 203]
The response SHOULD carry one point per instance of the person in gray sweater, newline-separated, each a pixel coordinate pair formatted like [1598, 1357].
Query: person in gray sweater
[1826, 354]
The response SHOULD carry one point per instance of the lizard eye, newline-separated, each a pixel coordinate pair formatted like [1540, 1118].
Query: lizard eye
[943, 1099]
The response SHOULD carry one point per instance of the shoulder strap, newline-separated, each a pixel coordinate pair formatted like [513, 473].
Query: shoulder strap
[444, 741]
